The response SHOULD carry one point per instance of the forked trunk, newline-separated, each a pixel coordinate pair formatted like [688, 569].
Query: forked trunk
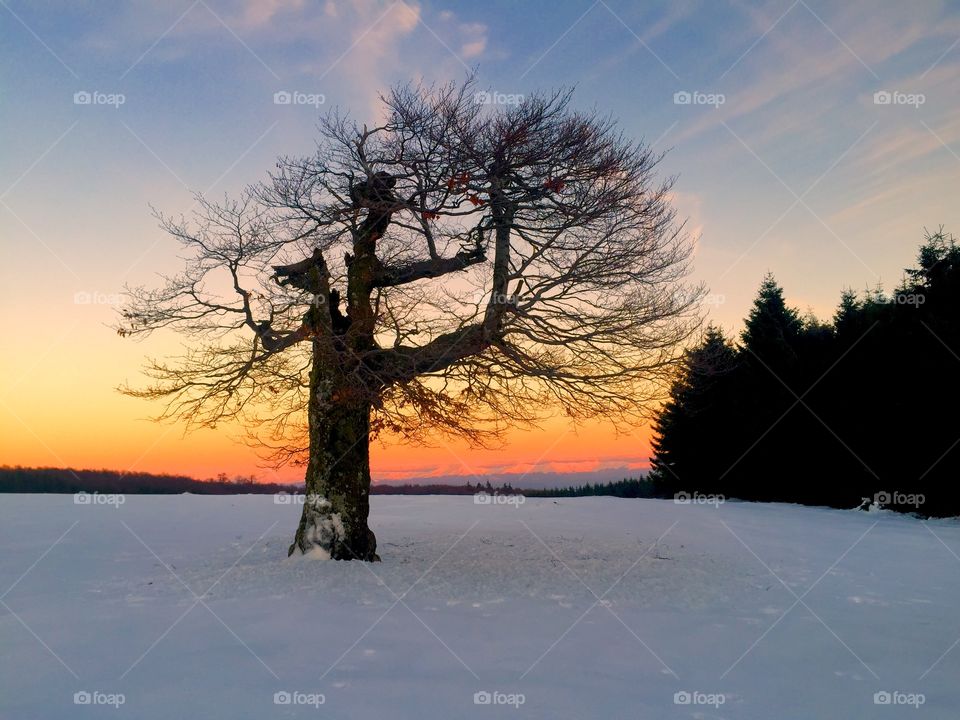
[337, 503]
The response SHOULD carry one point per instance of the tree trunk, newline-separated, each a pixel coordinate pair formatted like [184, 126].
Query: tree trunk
[337, 503]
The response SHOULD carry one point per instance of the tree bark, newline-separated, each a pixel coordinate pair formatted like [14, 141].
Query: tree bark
[336, 505]
[337, 502]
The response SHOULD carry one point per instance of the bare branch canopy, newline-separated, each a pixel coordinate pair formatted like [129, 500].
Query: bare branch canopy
[457, 268]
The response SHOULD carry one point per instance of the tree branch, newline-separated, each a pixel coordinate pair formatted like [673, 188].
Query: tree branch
[403, 363]
[419, 270]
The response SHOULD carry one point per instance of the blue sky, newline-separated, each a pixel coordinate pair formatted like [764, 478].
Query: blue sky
[797, 80]
[784, 160]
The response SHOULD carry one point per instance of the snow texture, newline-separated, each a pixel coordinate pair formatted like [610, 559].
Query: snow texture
[324, 528]
[185, 606]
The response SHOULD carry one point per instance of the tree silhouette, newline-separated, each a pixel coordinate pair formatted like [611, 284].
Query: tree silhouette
[828, 414]
[692, 447]
[494, 263]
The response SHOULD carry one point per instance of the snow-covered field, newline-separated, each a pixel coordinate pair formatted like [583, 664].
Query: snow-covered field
[185, 607]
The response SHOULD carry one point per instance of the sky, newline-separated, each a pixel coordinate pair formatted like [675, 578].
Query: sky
[815, 140]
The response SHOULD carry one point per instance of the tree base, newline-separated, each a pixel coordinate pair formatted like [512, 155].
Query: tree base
[322, 534]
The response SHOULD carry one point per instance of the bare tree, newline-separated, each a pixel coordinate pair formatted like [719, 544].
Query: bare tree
[459, 268]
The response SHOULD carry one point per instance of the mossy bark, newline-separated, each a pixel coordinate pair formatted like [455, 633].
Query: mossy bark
[337, 502]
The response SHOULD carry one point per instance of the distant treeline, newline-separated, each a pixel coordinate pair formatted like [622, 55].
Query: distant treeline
[66, 480]
[434, 489]
[799, 410]
[626, 488]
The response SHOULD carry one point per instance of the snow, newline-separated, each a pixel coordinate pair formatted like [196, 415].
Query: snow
[324, 530]
[186, 606]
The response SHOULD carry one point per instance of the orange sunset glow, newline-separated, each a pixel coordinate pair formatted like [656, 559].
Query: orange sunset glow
[77, 418]
[794, 169]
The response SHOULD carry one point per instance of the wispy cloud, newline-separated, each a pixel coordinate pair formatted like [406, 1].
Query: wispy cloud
[801, 71]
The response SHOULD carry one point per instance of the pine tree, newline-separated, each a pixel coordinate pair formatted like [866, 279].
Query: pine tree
[691, 444]
[772, 329]
[805, 412]
[846, 318]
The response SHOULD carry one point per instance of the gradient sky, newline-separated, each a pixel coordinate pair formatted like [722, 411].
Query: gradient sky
[799, 171]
